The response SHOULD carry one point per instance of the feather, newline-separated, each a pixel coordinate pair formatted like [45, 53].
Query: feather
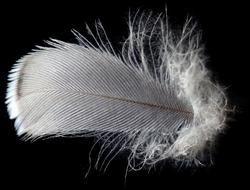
[156, 94]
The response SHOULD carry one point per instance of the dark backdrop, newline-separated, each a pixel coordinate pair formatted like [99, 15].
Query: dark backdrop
[63, 162]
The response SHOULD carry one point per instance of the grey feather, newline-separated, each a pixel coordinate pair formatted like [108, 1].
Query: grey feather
[157, 93]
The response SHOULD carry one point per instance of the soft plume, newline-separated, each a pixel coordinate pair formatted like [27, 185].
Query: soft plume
[155, 97]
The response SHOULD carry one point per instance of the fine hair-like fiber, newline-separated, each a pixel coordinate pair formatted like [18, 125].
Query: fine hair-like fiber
[155, 97]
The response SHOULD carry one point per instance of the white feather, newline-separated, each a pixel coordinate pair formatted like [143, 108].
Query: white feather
[157, 93]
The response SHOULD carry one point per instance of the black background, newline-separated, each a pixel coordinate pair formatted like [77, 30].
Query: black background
[63, 162]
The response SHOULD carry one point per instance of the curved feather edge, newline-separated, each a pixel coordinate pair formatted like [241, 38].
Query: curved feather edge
[173, 65]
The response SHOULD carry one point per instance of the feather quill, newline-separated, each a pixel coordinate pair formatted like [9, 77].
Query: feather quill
[156, 93]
